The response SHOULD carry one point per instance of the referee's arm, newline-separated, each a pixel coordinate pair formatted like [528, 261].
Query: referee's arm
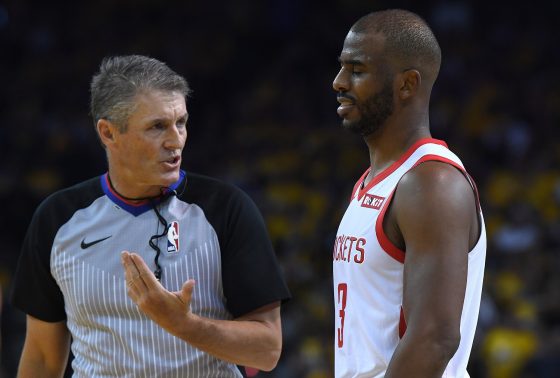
[253, 339]
[45, 351]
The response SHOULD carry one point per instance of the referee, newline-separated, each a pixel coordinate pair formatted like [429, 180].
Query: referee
[147, 270]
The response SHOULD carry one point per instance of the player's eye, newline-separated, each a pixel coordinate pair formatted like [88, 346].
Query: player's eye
[356, 71]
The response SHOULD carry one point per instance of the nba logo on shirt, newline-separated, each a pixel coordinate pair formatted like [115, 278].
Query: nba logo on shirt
[173, 237]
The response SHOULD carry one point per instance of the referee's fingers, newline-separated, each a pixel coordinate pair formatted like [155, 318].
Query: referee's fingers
[132, 274]
[146, 275]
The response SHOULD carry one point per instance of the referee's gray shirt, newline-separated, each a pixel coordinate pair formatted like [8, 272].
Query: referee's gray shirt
[70, 269]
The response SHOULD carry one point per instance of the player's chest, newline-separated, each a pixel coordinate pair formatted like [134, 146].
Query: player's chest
[361, 215]
[358, 246]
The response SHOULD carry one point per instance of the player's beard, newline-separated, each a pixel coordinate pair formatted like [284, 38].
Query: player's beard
[375, 111]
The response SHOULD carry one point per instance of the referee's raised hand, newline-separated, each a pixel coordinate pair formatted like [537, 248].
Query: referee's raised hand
[171, 310]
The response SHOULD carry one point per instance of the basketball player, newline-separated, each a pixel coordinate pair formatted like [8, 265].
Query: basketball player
[409, 254]
[149, 271]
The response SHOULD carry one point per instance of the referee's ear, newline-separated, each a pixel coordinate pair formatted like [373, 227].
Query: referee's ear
[106, 131]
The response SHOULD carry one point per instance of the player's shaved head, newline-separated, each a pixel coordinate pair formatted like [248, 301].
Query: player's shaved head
[409, 41]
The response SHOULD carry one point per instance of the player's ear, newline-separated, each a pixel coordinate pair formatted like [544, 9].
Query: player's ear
[409, 83]
[106, 131]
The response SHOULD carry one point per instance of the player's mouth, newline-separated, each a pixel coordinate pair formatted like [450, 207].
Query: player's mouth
[346, 105]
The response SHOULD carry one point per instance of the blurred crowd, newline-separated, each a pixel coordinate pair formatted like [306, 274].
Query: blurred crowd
[263, 116]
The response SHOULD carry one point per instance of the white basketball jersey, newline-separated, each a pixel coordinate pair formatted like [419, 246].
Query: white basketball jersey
[368, 275]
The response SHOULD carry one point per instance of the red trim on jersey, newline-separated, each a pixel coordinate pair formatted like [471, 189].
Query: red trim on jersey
[473, 184]
[387, 245]
[359, 183]
[462, 169]
[393, 167]
[402, 324]
[438, 158]
[384, 241]
[131, 203]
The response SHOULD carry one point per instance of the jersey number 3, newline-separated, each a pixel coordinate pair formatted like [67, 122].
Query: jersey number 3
[342, 293]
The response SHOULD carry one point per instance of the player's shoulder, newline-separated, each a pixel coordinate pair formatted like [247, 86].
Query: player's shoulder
[433, 185]
[434, 175]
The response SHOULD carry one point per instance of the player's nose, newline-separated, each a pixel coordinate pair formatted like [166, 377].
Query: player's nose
[340, 82]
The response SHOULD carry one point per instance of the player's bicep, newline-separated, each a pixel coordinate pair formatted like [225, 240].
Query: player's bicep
[433, 206]
[46, 348]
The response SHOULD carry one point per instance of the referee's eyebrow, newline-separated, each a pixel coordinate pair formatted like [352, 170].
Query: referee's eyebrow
[157, 119]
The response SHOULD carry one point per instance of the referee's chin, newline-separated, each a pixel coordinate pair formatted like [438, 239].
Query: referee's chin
[169, 178]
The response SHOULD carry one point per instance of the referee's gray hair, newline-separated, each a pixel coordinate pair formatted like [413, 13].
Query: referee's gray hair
[120, 78]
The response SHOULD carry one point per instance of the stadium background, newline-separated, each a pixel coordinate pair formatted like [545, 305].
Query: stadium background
[263, 116]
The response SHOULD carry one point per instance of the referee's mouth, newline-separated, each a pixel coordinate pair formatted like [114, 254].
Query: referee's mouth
[173, 162]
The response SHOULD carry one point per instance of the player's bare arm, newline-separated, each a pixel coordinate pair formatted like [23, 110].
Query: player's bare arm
[45, 351]
[434, 218]
[253, 339]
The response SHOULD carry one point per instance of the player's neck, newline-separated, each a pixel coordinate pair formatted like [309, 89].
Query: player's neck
[391, 143]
